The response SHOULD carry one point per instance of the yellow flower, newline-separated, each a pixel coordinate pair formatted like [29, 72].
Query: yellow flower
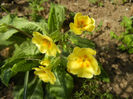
[82, 23]
[45, 74]
[45, 44]
[45, 62]
[82, 63]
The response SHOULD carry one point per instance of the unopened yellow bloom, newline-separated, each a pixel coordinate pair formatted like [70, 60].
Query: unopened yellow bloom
[82, 63]
[44, 73]
[45, 62]
[45, 44]
[82, 23]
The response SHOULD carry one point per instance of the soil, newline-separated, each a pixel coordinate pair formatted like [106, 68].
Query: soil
[119, 65]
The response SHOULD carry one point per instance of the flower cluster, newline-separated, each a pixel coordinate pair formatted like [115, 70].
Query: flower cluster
[45, 45]
[81, 61]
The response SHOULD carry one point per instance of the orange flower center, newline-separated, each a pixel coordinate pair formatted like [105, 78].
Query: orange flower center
[81, 24]
[46, 43]
[84, 61]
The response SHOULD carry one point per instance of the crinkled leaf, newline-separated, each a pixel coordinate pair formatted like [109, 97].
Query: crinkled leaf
[24, 65]
[26, 49]
[56, 36]
[81, 42]
[29, 26]
[22, 59]
[7, 19]
[15, 24]
[56, 17]
[10, 69]
[5, 75]
[7, 34]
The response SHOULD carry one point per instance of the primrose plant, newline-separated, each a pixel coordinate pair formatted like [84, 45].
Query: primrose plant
[53, 56]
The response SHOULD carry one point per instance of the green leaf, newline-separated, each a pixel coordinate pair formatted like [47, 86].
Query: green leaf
[56, 17]
[130, 51]
[23, 59]
[34, 90]
[3, 42]
[128, 39]
[62, 89]
[56, 36]
[7, 34]
[29, 26]
[126, 22]
[10, 69]
[14, 24]
[122, 47]
[24, 65]
[3, 28]
[7, 19]
[113, 35]
[55, 61]
[26, 50]
[6, 75]
[81, 42]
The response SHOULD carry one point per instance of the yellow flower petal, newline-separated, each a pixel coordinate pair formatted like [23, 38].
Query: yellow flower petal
[45, 74]
[94, 64]
[92, 21]
[89, 28]
[76, 17]
[90, 51]
[81, 51]
[82, 63]
[85, 75]
[45, 62]
[82, 23]
[76, 30]
[45, 44]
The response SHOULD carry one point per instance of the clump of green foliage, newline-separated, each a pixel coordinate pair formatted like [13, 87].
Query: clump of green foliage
[36, 7]
[126, 37]
[122, 1]
[96, 2]
[90, 89]
[17, 32]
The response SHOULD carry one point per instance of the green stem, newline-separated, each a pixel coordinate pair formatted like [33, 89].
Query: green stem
[26, 84]
[10, 26]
